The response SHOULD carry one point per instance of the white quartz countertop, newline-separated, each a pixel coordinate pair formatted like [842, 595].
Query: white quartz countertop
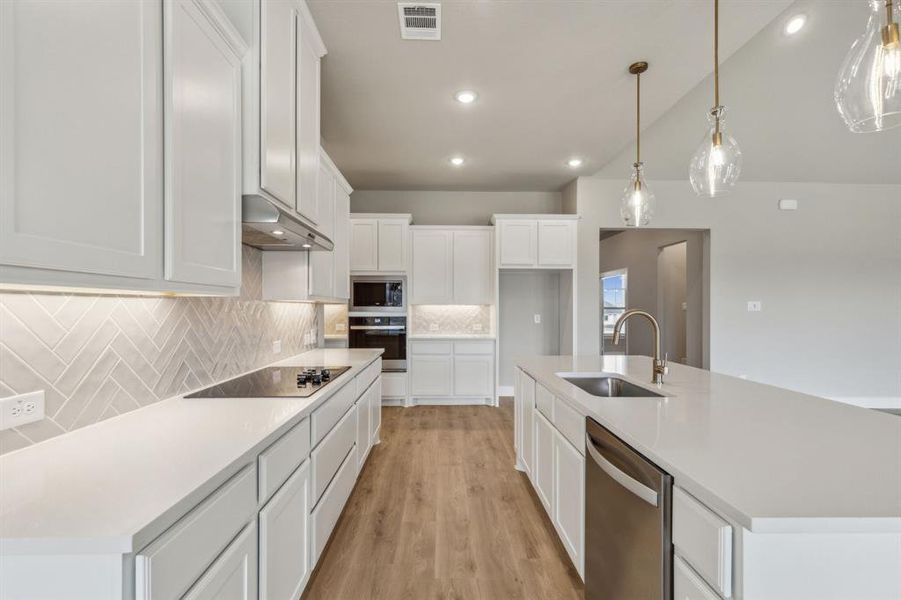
[769, 459]
[115, 486]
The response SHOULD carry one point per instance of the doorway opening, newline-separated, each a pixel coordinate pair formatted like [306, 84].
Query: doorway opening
[666, 273]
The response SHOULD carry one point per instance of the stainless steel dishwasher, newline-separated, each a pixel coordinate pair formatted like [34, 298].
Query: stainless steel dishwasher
[628, 521]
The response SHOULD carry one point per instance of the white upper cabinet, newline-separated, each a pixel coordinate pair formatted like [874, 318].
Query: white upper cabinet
[536, 241]
[393, 244]
[451, 265]
[378, 243]
[473, 267]
[364, 244]
[202, 80]
[307, 153]
[322, 264]
[432, 266]
[341, 237]
[278, 76]
[81, 139]
[556, 243]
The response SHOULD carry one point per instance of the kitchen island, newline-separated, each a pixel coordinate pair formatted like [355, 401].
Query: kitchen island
[801, 495]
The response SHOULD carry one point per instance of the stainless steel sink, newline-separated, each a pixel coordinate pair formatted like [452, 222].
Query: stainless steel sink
[610, 387]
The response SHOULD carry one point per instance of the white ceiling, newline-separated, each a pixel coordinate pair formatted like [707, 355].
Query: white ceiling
[778, 93]
[551, 75]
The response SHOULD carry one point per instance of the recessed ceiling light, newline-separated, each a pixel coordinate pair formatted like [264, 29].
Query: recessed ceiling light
[466, 96]
[795, 24]
[278, 232]
[457, 161]
[574, 163]
[306, 246]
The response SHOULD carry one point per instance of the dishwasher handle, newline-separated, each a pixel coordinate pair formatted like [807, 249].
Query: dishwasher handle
[636, 487]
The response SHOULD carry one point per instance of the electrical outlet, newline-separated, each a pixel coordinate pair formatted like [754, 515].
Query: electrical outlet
[21, 409]
[340, 327]
[477, 327]
[755, 306]
[537, 319]
[433, 326]
[277, 347]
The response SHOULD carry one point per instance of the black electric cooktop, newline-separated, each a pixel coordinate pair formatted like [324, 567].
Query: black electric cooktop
[274, 382]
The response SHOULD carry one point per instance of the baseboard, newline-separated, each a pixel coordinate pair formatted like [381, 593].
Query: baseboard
[505, 390]
[393, 401]
[453, 401]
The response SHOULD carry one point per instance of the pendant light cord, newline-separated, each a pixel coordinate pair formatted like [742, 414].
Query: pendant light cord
[638, 118]
[888, 12]
[716, 61]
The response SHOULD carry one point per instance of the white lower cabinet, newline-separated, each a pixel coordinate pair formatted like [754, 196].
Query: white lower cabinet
[325, 515]
[234, 574]
[375, 412]
[569, 500]
[543, 469]
[688, 585]
[452, 370]
[527, 407]
[363, 415]
[285, 539]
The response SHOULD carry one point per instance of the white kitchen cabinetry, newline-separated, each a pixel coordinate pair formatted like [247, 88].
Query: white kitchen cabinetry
[322, 264]
[130, 76]
[375, 412]
[341, 238]
[81, 187]
[378, 243]
[432, 266]
[203, 147]
[451, 371]
[234, 574]
[543, 469]
[569, 499]
[309, 52]
[451, 265]
[525, 405]
[536, 241]
[285, 538]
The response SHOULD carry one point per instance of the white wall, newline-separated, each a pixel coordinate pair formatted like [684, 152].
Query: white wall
[454, 208]
[829, 277]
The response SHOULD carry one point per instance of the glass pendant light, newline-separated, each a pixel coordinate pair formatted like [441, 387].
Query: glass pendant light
[868, 90]
[716, 163]
[637, 206]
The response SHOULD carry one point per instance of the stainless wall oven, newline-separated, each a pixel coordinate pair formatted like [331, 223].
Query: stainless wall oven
[377, 294]
[382, 331]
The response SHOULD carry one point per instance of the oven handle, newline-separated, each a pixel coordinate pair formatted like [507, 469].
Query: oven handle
[636, 487]
[377, 327]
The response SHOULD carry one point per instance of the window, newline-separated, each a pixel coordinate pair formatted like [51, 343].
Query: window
[613, 304]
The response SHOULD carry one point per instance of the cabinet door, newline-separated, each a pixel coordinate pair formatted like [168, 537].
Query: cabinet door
[473, 272]
[473, 376]
[393, 244]
[322, 264]
[278, 74]
[203, 150]
[375, 411]
[569, 494]
[527, 452]
[543, 474]
[364, 245]
[518, 243]
[81, 133]
[308, 162]
[234, 574]
[431, 375]
[432, 269]
[363, 414]
[341, 237]
[556, 243]
[285, 538]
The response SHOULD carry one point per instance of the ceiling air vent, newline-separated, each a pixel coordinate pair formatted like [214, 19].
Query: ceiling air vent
[419, 21]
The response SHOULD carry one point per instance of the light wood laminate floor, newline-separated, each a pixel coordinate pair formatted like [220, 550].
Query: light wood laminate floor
[440, 512]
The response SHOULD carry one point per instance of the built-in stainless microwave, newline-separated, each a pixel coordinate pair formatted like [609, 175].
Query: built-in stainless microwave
[377, 294]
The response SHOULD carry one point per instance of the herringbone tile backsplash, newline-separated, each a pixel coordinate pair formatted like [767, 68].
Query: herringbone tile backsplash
[99, 356]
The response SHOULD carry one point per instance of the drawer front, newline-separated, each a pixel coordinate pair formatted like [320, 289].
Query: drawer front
[394, 385]
[474, 347]
[278, 461]
[327, 416]
[687, 585]
[175, 560]
[704, 540]
[367, 376]
[326, 514]
[431, 347]
[234, 574]
[570, 423]
[329, 455]
[544, 401]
